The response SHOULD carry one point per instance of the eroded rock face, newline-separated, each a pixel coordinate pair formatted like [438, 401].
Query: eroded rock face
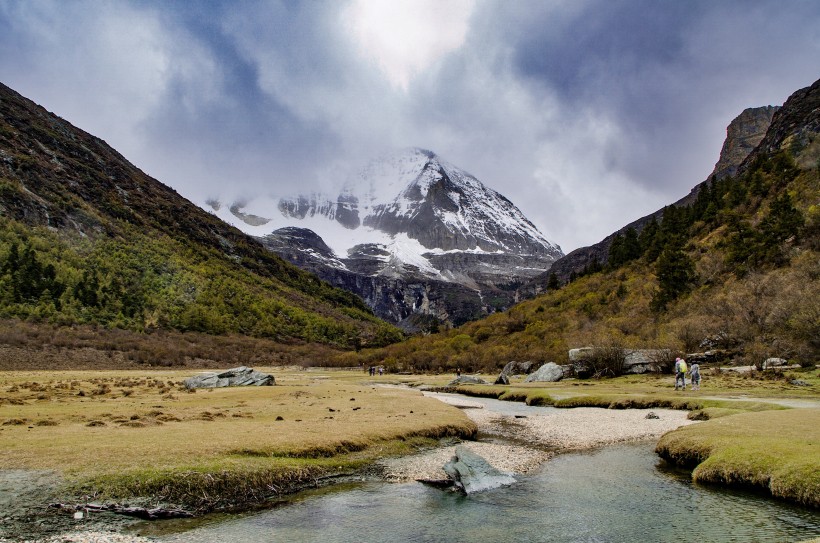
[471, 473]
[743, 134]
[234, 377]
[548, 373]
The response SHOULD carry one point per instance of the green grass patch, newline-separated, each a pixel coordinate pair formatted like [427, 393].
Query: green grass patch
[775, 450]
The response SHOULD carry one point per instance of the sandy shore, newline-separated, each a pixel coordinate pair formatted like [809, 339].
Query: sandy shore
[544, 434]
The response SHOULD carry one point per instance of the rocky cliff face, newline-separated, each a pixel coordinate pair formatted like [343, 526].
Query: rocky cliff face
[411, 234]
[743, 134]
[794, 126]
[415, 303]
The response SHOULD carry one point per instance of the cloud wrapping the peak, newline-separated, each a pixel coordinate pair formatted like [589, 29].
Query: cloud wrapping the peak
[586, 114]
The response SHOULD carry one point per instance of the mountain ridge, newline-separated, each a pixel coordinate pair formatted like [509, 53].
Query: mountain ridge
[728, 277]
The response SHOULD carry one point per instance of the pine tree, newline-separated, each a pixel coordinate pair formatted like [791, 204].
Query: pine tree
[647, 237]
[552, 282]
[676, 275]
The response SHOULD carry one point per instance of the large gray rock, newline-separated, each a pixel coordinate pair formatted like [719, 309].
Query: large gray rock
[581, 354]
[502, 380]
[470, 472]
[644, 360]
[468, 380]
[548, 373]
[774, 363]
[234, 377]
[515, 368]
[519, 368]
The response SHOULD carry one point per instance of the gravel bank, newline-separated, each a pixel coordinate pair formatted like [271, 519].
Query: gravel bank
[589, 427]
[545, 434]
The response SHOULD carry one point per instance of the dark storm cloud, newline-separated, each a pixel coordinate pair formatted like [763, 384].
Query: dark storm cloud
[586, 113]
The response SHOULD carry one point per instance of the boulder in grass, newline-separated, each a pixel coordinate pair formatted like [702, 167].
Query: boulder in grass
[770, 363]
[467, 380]
[234, 377]
[519, 368]
[502, 380]
[548, 373]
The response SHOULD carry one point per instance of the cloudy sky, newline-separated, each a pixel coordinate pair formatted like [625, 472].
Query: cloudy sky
[587, 114]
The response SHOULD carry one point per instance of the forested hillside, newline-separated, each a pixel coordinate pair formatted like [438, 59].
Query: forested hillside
[88, 238]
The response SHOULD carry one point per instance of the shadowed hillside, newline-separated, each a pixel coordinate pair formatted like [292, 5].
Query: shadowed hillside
[88, 238]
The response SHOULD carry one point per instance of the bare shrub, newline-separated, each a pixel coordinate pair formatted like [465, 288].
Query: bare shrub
[690, 334]
[661, 361]
[607, 359]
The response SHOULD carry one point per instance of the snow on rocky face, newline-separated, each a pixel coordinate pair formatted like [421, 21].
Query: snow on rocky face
[409, 214]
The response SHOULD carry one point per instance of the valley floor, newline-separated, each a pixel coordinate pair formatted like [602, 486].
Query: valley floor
[127, 431]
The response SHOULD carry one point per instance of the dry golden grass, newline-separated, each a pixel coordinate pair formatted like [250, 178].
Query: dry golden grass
[121, 429]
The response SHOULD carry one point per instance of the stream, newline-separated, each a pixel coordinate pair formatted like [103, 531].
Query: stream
[614, 494]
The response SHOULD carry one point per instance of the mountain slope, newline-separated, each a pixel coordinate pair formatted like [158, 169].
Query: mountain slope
[411, 234]
[743, 135]
[734, 272]
[87, 237]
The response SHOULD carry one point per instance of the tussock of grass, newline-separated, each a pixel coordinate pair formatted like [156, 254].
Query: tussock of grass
[481, 391]
[775, 450]
[513, 396]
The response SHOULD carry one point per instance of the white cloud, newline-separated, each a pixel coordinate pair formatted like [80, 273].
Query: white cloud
[404, 37]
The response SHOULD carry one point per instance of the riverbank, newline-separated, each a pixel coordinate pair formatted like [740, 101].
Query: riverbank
[777, 452]
[141, 438]
[538, 437]
[116, 435]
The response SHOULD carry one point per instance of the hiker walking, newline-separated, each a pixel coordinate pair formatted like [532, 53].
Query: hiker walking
[694, 376]
[680, 373]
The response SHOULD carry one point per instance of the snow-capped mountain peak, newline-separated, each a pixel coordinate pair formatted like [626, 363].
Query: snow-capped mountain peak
[415, 214]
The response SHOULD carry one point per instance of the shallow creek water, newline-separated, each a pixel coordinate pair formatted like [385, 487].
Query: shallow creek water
[615, 494]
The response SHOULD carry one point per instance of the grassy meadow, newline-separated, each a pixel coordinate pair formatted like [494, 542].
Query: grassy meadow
[119, 434]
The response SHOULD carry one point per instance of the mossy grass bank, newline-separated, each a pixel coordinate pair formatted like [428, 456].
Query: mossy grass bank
[776, 451]
[125, 434]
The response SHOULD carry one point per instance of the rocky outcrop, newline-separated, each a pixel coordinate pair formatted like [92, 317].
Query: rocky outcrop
[412, 302]
[645, 360]
[743, 134]
[234, 377]
[502, 380]
[795, 125]
[548, 373]
[514, 368]
[770, 363]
